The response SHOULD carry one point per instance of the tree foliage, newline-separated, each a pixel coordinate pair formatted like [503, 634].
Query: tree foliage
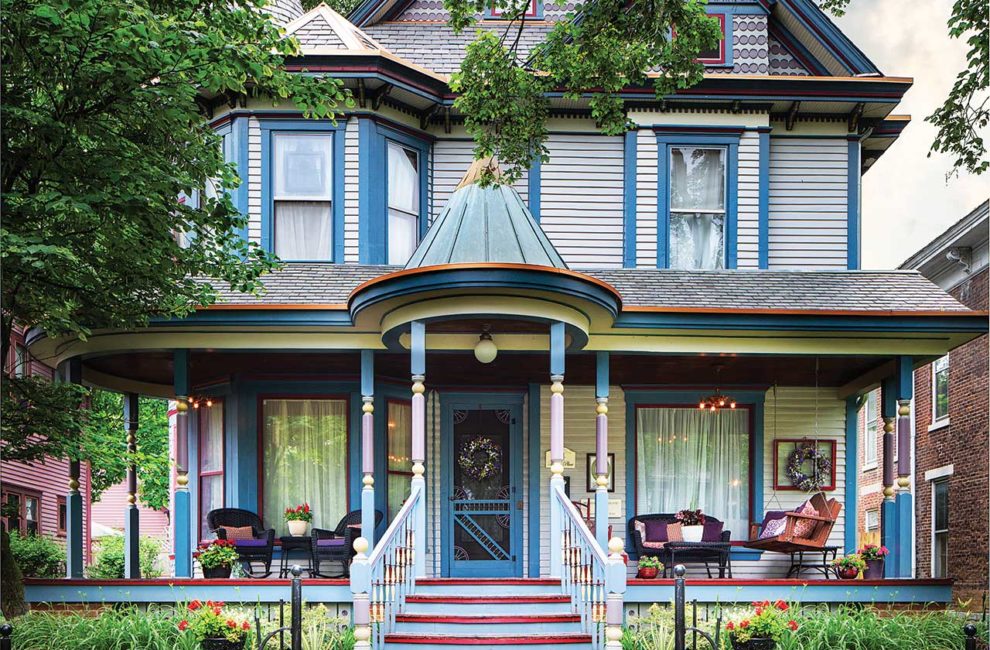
[966, 110]
[596, 51]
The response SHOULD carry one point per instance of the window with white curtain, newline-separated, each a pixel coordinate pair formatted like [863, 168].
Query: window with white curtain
[399, 455]
[690, 458]
[210, 463]
[870, 432]
[403, 202]
[302, 182]
[304, 459]
[697, 207]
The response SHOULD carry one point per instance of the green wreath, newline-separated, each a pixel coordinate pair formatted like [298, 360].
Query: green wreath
[821, 473]
[480, 458]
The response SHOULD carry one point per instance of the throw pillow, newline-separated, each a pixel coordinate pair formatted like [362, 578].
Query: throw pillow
[656, 530]
[773, 527]
[640, 528]
[654, 545]
[674, 533]
[234, 533]
[712, 531]
[804, 527]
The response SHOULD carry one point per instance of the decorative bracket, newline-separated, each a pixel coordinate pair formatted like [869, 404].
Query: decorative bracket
[792, 115]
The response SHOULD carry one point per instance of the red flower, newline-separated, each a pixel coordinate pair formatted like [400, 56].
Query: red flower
[231, 624]
[793, 625]
[245, 625]
[730, 625]
[744, 624]
[782, 606]
[183, 625]
[194, 605]
[217, 611]
[759, 610]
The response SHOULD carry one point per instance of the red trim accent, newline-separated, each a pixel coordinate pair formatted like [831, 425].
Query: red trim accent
[181, 582]
[805, 312]
[776, 464]
[541, 639]
[487, 600]
[223, 461]
[793, 582]
[488, 581]
[486, 619]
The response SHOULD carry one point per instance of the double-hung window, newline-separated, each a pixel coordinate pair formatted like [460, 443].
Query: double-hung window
[940, 389]
[940, 529]
[22, 511]
[697, 207]
[403, 202]
[211, 462]
[870, 432]
[303, 195]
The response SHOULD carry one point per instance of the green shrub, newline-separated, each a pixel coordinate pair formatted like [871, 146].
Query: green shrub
[38, 556]
[114, 629]
[108, 561]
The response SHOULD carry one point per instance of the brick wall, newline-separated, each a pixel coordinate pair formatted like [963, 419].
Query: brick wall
[963, 443]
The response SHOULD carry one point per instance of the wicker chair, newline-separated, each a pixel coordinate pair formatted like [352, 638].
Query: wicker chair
[642, 548]
[337, 545]
[258, 549]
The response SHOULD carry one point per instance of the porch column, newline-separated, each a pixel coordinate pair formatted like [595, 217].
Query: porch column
[418, 370]
[182, 546]
[368, 446]
[904, 499]
[74, 524]
[601, 450]
[556, 440]
[888, 512]
[132, 558]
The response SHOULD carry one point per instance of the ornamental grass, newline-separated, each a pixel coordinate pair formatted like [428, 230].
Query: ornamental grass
[126, 628]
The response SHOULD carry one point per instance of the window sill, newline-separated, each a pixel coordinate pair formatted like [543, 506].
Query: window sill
[938, 424]
[870, 467]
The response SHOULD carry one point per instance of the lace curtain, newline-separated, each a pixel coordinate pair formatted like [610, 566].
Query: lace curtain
[210, 462]
[302, 192]
[399, 455]
[697, 208]
[403, 203]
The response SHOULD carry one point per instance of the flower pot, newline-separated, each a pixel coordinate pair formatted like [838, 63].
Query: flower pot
[222, 644]
[874, 569]
[647, 572]
[298, 528]
[847, 573]
[222, 571]
[692, 533]
[754, 644]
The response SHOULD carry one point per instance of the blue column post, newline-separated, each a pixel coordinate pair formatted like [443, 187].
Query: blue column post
[888, 513]
[556, 443]
[904, 498]
[417, 366]
[132, 529]
[182, 515]
[852, 474]
[368, 446]
[601, 450]
[74, 523]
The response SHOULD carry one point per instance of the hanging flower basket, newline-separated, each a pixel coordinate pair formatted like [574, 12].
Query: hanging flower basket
[480, 458]
[821, 471]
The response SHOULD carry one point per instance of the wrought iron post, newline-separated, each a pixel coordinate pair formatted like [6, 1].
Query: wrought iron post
[295, 623]
[6, 630]
[680, 625]
[970, 631]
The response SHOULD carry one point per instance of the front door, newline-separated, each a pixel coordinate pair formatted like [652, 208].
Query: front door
[481, 488]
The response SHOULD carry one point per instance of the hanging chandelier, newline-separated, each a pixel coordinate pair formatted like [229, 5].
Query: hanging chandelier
[717, 400]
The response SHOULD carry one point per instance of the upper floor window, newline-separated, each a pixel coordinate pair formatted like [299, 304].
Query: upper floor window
[303, 195]
[403, 202]
[940, 388]
[697, 207]
[715, 55]
[869, 432]
[533, 11]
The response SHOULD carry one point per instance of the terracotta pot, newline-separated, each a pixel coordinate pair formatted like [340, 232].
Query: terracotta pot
[647, 572]
[848, 573]
[754, 644]
[874, 569]
[217, 572]
[692, 533]
[297, 528]
[222, 644]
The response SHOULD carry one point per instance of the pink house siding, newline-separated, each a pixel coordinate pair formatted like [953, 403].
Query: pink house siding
[109, 511]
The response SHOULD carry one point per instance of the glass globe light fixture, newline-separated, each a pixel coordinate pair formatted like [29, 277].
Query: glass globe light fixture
[485, 350]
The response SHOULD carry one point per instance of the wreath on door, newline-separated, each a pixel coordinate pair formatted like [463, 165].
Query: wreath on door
[480, 458]
[821, 469]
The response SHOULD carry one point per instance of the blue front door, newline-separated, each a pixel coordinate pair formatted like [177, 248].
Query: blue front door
[481, 487]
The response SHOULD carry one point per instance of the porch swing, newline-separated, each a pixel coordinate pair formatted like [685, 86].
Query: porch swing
[800, 531]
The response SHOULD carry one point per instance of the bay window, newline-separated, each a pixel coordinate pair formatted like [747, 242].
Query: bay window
[303, 194]
[211, 462]
[304, 459]
[403, 202]
[690, 458]
[697, 207]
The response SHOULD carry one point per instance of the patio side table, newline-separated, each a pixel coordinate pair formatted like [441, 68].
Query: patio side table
[720, 552]
[823, 567]
[291, 543]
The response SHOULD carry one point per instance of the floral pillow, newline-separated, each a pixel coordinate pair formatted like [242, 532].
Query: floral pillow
[804, 527]
[773, 528]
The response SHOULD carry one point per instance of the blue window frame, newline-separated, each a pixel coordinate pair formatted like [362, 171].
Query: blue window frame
[332, 239]
[673, 145]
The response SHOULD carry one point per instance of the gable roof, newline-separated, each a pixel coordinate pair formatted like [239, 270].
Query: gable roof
[815, 32]
[322, 28]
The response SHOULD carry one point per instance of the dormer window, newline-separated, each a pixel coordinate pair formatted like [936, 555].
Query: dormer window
[403, 202]
[715, 55]
[535, 10]
[303, 194]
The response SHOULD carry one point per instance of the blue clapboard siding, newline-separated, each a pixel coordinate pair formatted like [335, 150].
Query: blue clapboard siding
[254, 180]
[808, 208]
[646, 199]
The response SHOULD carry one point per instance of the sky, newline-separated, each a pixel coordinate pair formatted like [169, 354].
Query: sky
[907, 200]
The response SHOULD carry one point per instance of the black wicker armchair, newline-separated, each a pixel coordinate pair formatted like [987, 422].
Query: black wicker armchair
[337, 545]
[258, 548]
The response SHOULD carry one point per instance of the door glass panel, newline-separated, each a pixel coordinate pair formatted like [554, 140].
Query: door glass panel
[482, 496]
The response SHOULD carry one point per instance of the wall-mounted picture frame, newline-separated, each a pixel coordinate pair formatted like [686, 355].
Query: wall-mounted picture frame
[797, 462]
[592, 478]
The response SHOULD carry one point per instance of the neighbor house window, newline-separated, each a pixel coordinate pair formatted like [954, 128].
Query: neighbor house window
[403, 202]
[689, 458]
[62, 515]
[697, 207]
[870, 432]
[940, 529]
[872, 521]
[20, 361]
[399, 455]
[302, 182]
[304, 459]
[940, 388]
[211, 462]
[22, 511]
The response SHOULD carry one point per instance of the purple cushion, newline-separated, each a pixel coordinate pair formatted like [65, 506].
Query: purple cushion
[656, 530]
[336, 541]
[713, 531]
[255, 543]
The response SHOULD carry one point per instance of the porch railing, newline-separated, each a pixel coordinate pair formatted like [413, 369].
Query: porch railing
[381, 581]
[594, 581]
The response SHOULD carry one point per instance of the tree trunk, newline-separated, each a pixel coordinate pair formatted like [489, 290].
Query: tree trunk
[11, 581]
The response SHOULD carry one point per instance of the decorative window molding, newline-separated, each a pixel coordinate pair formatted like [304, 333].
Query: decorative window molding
[718, 55]
[534, 12]
[939, 473]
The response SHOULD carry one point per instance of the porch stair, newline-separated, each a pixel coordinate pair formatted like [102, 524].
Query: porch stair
[499, 613]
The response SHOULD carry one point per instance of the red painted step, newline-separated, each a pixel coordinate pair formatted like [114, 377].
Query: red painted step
[524, 639]
[487, 581]
[487, 600]
[485, 619]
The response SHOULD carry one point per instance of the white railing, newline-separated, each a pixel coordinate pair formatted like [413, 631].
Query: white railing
[380, 582]
[594, 581]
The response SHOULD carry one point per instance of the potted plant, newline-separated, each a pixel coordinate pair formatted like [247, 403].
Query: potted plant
[214, 627]
[762, 627]
[874, 557]
[692, 524]
[217, 558]
[649, 567]
[298, 519]
[848, 567]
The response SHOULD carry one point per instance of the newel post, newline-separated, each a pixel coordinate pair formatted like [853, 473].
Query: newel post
[418, 368]
[601, 450]
[615, 587]
[368, 446]
[360, 591]
[132, 537]
[556, 444]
